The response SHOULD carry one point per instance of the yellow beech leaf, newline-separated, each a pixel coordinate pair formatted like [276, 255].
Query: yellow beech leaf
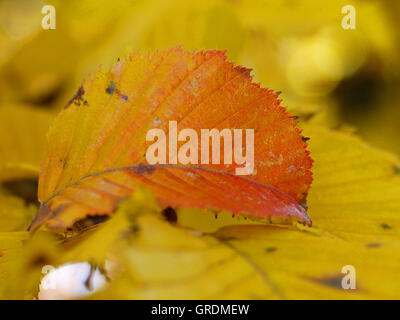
[96, 154]
[162, 261]
[356, 192]
[22, 137]
[303, 265]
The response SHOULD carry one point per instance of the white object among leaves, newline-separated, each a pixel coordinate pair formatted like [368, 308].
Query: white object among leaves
[70, 281]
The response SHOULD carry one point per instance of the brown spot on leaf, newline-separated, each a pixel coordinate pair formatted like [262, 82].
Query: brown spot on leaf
[385, 226]
[39, 261]
[111, 87]
[63, 162]
[170, 215]
[334, 281]
[373, 245]
[77, 98]
[133, 230]
[270, 249]
[123, 96]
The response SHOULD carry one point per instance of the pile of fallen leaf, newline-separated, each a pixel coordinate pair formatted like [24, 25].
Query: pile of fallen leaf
[165, 232]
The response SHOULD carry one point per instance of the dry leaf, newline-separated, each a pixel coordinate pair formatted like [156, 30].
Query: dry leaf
[95, 153]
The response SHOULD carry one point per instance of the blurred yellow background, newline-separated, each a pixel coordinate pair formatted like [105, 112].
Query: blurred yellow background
[343, 78]
[346, 79]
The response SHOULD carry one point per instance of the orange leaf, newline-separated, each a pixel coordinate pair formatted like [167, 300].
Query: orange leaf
[95, 153]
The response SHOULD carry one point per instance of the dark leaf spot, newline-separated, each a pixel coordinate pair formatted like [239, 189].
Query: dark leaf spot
[123, 96]
[111, 87]
[77, 98]
[63, 162]
[385, 226]
[270, 249]
[133, 230]
[169, 214]
[334, 281]
[39, 261]
[373, 245]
